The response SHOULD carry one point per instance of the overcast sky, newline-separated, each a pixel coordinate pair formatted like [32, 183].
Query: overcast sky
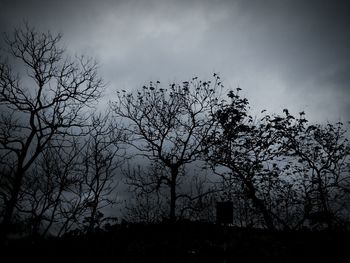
[291, 54]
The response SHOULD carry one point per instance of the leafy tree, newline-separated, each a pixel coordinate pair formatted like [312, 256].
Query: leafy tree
[251, 153]
[322, 162]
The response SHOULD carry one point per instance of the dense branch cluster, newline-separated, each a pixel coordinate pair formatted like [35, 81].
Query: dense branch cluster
[177, 149]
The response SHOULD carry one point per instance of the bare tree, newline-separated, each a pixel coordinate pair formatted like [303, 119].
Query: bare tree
[197, 201]
[170, 125]
[148, 198]
[101, 159]
[72, 182]
[47, 185]
[45, 104]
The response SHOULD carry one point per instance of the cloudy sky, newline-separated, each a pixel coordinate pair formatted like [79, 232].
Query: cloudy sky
[283, 53]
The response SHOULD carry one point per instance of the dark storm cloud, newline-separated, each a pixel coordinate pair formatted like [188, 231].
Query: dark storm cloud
[308, 44]
[283, 53]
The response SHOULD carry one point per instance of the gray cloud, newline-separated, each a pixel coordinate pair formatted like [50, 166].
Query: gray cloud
[284, 53]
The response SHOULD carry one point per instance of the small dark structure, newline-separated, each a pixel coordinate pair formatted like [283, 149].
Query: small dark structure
[224, 212]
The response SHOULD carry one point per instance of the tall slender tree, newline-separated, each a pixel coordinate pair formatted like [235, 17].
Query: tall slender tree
[40, 103]
[101, 159]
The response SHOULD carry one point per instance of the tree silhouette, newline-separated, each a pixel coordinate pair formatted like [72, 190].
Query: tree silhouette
[101, 158]
[251, 151]
[46, 104]
[170, 125]
[321, 162]
[195, 195]
[148, 203]
[46, 185]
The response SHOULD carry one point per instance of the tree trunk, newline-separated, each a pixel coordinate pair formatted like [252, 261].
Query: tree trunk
[258, 203]
[11, 204]
[92, 223]
[174, 173]
[267, 217]
[323, 200]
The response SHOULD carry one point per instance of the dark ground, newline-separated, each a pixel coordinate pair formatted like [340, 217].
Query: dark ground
[185, 242]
